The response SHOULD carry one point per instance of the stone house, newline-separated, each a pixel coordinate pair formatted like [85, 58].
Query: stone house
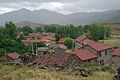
[81, 58]
[81, 41]
[103, 51]
[116, 58]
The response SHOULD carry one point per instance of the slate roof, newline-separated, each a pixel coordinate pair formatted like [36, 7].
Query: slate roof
[79, 39]
[116, 52]
[86, 41]
[13, 55]
[99, 46]
[85, 54]
[52, 59]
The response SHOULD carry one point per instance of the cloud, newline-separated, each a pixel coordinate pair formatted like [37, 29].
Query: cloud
[62, 6]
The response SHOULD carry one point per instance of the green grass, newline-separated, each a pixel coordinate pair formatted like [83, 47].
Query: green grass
[8, 72]
[111, 42]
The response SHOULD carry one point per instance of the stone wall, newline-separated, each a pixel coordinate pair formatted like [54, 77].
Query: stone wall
[116, 61]
[74, 61]
[77, 45]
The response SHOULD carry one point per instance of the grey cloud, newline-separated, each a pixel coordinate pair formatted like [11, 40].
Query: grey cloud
[70, 6]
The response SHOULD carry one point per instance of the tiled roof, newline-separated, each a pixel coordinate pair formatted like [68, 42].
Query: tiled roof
[58, 45]
[53, 59]
[116, 52]
[85, 54]
[13, 55]
[49, 38]
[61, 40]
[99, 46]
[79, 39]
[30, 41]
[86, 41]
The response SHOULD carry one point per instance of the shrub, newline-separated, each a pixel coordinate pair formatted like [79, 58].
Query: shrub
[2, 59]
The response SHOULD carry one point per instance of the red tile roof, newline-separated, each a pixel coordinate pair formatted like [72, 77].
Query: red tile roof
[85, 54]
[116, 52]
[49, 38]
[79, 39]
[99, 46]
[13, 55]
[61, 40]
[58, 45]
[53, 59]
[30, 41]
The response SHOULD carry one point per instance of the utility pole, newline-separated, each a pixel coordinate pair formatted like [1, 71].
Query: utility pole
[36, 46]
[32, 48]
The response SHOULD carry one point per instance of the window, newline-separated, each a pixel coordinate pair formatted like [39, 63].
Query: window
[100, 54]
[89, 60]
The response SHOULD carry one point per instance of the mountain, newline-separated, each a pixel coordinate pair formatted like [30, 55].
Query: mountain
[48, 17]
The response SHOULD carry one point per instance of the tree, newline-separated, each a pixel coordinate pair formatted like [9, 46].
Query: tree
[49, 28]
[107, 32]
[27, 30]
[96, 32]
[11, 30]
[86, 28]
[21, 38]
[80, 29]
[41, 44]
[68, 42]
[2, 51]
[39, 29]
[3, 34]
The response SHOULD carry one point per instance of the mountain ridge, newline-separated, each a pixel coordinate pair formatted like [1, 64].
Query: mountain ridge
[50, 17]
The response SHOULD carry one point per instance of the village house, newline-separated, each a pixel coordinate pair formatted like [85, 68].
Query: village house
[103, 51]
[58, 48]
[81, 58]
[81, 41]
[12, 56]
[116, 58]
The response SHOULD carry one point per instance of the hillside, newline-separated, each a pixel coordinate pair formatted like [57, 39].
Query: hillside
[49, 17]
[31, 24]
[12, 72]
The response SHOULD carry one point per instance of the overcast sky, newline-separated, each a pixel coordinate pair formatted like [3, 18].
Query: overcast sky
[62, 6]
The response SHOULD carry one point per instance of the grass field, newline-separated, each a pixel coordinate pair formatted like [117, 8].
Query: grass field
[111, 42]
[13, 72]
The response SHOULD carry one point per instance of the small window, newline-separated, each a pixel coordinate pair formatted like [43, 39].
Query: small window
[89, 60]
[100, 54]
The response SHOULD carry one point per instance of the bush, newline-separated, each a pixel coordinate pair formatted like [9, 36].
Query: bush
[106, 68]
[2, 59]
